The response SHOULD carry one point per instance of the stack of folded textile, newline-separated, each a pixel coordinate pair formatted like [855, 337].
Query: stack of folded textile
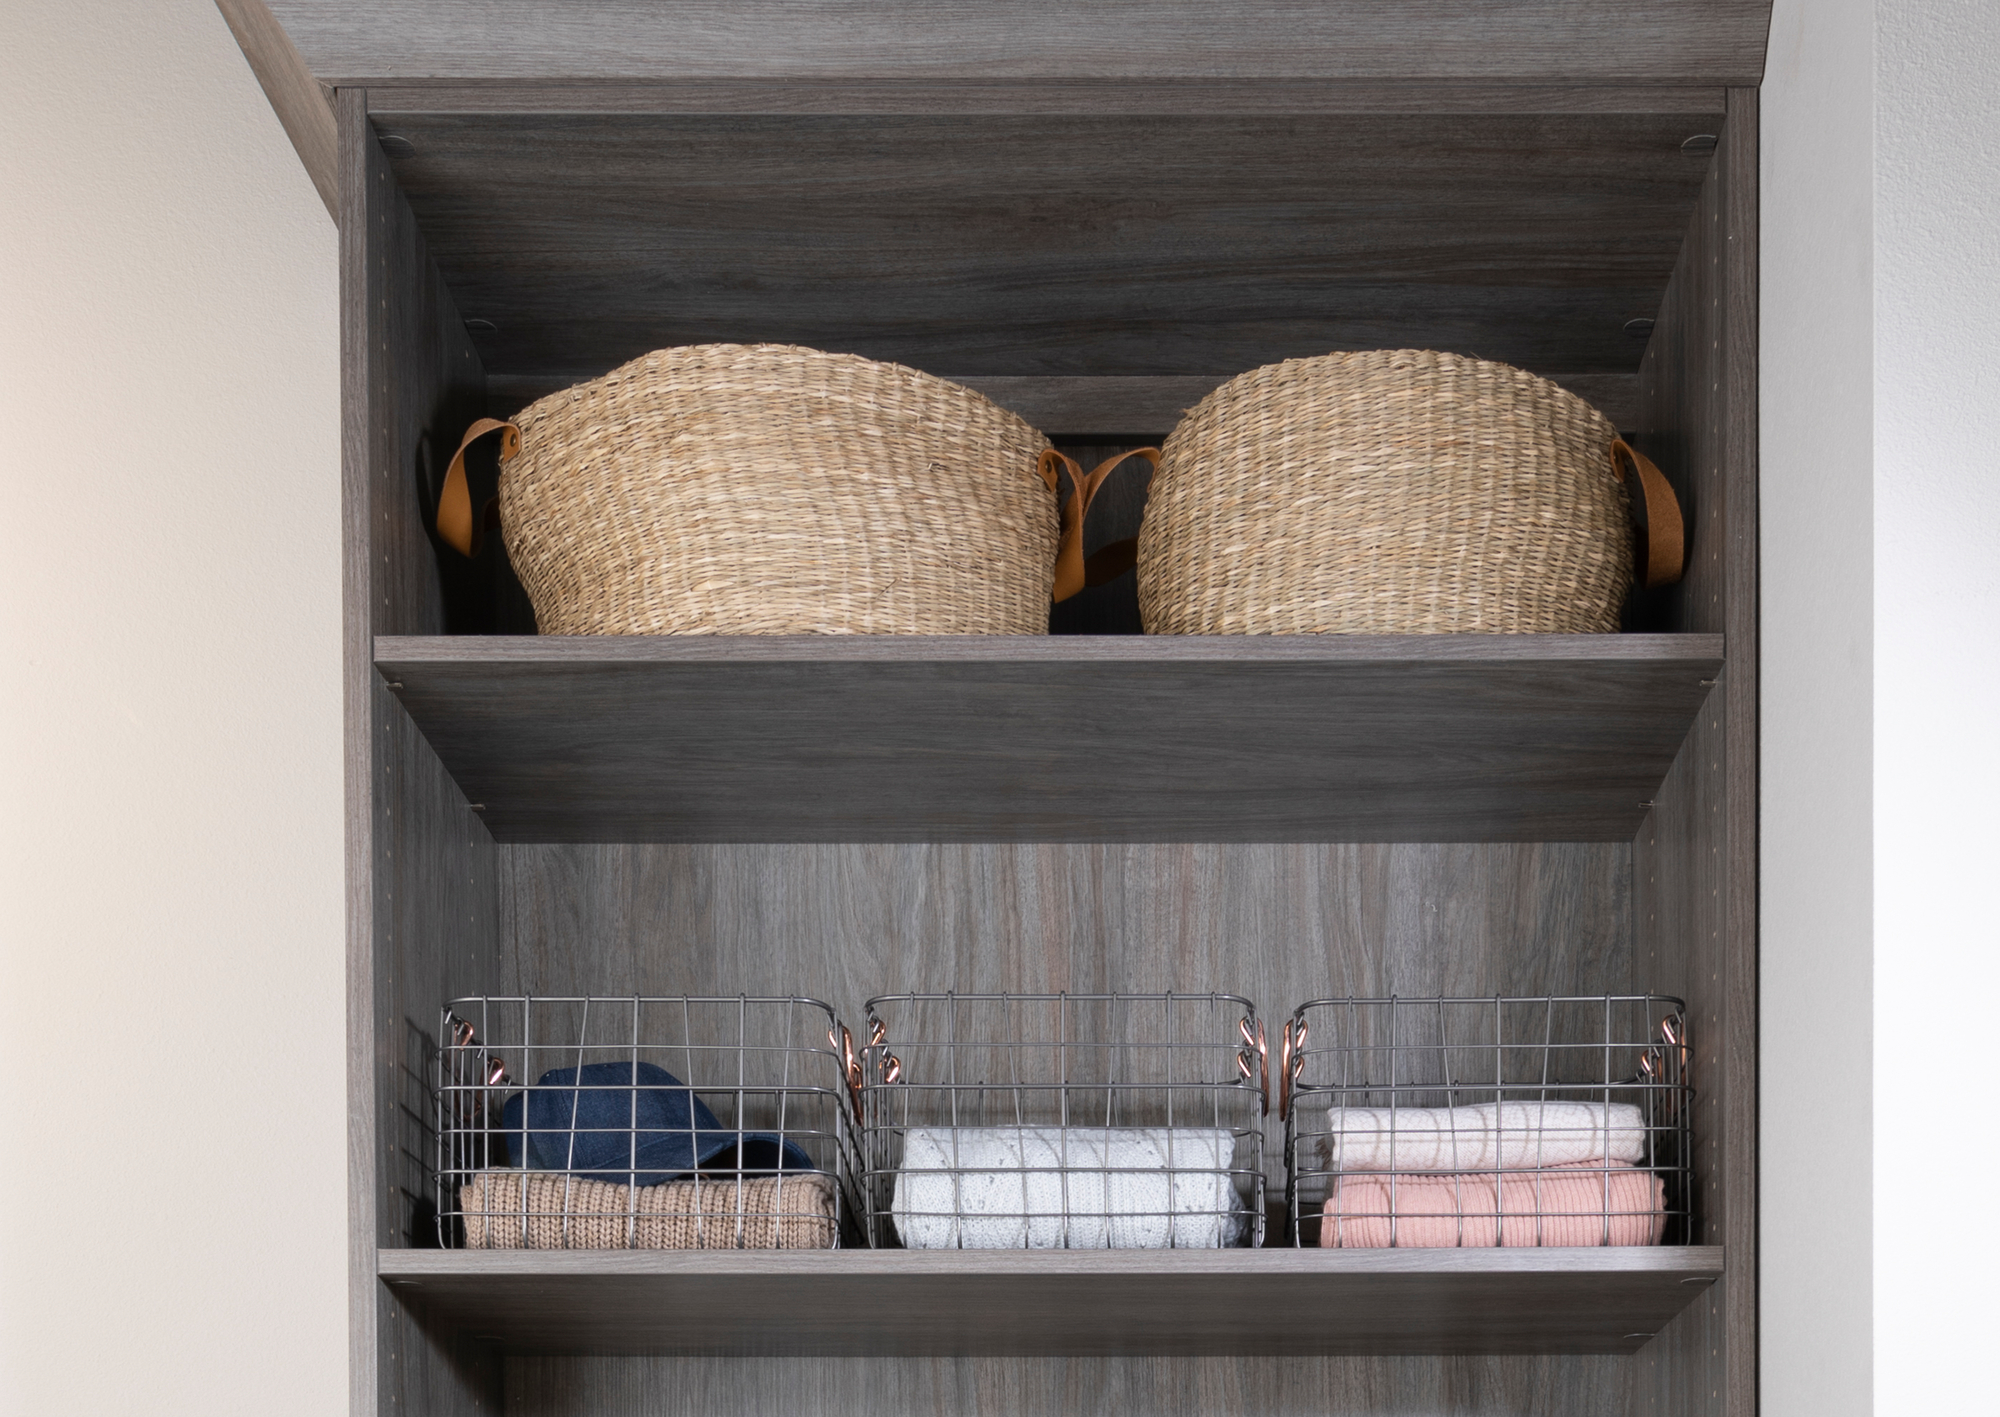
[625, 1156]
[514, 1210]
[1499, 1174]
[1043, 1188]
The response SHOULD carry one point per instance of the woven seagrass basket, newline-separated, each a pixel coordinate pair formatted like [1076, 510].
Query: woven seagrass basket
[1395, 492]
[772, 490]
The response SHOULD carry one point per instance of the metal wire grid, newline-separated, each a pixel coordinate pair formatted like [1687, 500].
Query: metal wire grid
[768, 1069]
[1369, 1164]
[1063, 1120]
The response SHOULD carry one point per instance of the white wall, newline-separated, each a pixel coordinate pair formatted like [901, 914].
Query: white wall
[1816, 882]
[1937, 700]
[172, 1166]
[1881, 586]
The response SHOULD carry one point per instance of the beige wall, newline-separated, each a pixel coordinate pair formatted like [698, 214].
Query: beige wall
[172, 1156]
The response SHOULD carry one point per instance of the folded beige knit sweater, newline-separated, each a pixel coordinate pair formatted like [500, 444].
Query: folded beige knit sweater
[560, 1212]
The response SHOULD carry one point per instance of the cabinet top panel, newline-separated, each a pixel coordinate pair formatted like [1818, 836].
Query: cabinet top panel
[1566, 41]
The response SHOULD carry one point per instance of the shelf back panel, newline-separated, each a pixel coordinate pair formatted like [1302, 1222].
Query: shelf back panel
[1165, 245]
[1277, 924]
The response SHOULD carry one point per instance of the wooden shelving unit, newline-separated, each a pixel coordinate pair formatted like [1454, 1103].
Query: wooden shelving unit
[916, 1303]
[1093, 214]
[1056, 738]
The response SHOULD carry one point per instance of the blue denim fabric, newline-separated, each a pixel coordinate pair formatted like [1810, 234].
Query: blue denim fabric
[607, 1121]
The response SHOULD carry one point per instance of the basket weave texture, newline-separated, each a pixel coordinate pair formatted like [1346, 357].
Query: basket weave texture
[774, 490]
[560, 1212]
[1388, 492]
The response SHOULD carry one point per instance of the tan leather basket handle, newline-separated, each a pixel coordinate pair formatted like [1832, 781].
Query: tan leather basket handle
[1665, 532]
[455, 521]
[1072, 572]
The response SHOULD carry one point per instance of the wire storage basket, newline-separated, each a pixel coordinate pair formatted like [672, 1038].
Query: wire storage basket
[1480, 1122]
[645, 1123]
[1063, 1121]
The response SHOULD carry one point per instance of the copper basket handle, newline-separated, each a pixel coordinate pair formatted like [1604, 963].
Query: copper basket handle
[850, 1067]
[1291, 1062]
[1252, 1033]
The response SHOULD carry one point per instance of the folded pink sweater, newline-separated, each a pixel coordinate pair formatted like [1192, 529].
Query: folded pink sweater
[1592, 1204]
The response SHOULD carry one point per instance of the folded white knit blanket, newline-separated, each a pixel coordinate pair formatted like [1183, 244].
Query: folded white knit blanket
[1487, 1137]
[1047, 1188]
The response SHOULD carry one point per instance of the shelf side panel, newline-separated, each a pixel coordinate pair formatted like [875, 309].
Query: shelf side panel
[1694, 860]
[421, 867]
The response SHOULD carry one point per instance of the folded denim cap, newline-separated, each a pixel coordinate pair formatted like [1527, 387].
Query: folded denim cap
[607, 1121]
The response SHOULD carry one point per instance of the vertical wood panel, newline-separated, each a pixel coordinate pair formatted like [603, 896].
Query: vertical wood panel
[1278, 923]
[421, 868]
[1740, 159]
[1022, 1387]
[1694, 862]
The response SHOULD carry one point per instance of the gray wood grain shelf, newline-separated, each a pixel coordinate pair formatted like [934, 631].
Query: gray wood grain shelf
[1057, 1302]
[1056, 738]
[1562, 41]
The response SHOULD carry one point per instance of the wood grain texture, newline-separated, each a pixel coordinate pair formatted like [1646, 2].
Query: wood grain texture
[1153, 1386]
[1276, 924]
[1739, 164]
[1157, 94]
[1006, 1302]
[361, 692]
[1694, 862]
[1020, 246]
[295, 95]
[1571, 41]
[1065, 738]
[421, 870]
